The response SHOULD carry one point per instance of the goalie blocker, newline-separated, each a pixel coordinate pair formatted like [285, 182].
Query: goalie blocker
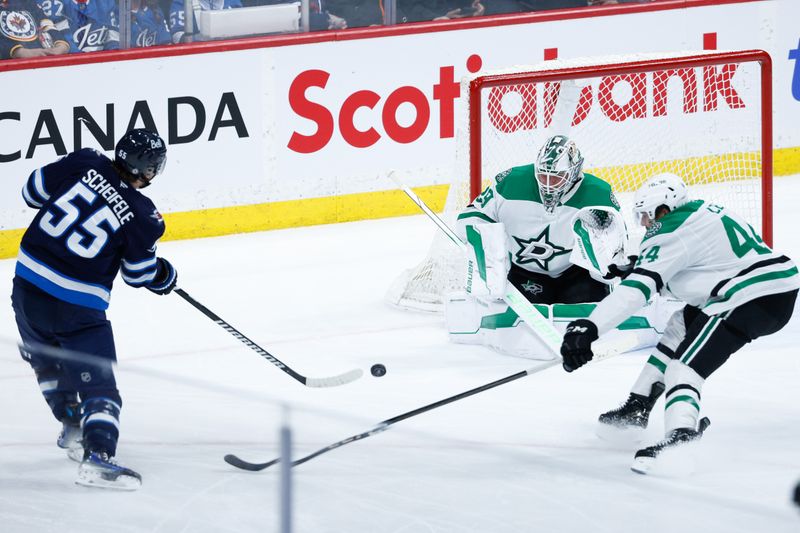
[478, 315]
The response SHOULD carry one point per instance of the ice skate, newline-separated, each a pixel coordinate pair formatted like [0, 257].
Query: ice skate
[99, 470]
[646, 458]
[628, 421]
[71, 434]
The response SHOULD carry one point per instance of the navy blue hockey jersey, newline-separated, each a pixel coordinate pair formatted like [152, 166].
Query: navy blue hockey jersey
[90, 224]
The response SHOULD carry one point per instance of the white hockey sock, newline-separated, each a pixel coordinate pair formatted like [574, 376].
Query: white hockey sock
[682, 408]
[652, 372]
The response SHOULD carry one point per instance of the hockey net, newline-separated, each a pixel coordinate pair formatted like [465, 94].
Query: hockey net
[705, 116]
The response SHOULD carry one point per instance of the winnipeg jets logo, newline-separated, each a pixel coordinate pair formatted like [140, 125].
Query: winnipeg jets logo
[18, 25]
[538, 250]
[533, 288]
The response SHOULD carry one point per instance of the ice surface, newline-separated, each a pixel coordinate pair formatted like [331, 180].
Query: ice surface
[520, 458]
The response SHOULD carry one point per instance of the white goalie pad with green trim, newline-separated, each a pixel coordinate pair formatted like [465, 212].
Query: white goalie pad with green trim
[491, 322]
[601, 239]
[489, 262]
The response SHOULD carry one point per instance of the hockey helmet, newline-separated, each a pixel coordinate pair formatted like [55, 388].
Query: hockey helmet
[558, 169]
[142, 154]
[665, 189]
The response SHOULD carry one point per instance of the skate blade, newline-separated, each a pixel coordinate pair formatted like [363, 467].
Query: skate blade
[642, 465]
[675, 462]
[75, 453]
[97, 480]
[620, 436]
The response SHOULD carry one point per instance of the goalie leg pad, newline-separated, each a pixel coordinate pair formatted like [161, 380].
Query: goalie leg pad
[489, 261]
[490, 322]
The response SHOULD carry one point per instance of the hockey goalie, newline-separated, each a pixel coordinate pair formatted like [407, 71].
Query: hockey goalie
[556, 234]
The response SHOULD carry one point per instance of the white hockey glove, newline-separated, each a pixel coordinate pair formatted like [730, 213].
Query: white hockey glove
[488, 258]
[601, 239]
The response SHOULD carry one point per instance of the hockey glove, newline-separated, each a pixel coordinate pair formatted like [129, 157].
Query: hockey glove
[166, 278]
[621, 271]
[576, 350]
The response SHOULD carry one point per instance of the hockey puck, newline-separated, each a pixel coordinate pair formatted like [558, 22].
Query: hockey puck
[378, 370]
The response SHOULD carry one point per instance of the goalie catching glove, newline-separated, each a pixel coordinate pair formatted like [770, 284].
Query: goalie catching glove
[601, 239]
[576, 349]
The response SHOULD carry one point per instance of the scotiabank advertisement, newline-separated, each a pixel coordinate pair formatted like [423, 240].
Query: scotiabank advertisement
[307, 121]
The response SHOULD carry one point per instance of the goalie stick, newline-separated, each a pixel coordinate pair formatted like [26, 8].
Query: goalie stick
[513, 297]
[333, 381]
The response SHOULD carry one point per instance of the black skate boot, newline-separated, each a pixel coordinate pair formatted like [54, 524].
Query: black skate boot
[70, 437]
[99, 470]
[646, 457]
[635, 411]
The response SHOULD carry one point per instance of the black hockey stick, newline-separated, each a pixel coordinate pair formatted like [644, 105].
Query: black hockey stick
[386, 424]
[332, 381]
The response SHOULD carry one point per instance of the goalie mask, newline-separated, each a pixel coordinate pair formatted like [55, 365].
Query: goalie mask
[662, 189]
[558, 169]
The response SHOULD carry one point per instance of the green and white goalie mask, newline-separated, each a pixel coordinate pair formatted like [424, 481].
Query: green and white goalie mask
[559, 168]
[601, 239]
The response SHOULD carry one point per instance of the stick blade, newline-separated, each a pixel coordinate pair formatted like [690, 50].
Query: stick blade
[246, 465]
[335, 381]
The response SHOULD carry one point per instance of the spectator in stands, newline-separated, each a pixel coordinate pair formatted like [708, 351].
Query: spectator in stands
[148, 24]
[177, 17]
[55, 11]
[93, 24]
[358, 13]
[25, 31]
[422, 10]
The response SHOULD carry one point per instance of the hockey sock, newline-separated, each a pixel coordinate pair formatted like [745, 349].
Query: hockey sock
[682, 408]
[101, 424]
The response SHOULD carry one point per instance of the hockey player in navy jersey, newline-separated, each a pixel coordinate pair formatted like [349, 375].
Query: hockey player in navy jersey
[92, 222]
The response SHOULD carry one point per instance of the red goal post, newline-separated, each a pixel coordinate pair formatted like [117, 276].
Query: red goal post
[706, 116]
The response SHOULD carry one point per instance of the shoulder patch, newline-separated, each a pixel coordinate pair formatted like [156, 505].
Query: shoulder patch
[500, 177]
[157, 216]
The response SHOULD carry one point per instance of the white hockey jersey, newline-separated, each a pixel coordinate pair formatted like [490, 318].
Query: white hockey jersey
[704, 255]
[538, 241]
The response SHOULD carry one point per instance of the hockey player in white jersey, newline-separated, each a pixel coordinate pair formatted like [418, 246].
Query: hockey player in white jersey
[736, 289]
[552, 231]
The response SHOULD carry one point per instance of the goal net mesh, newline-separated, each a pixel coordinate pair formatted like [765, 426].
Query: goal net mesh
[631, 116]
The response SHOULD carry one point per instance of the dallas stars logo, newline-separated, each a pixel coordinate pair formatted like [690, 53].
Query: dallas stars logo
[533, 288]
[538, 250]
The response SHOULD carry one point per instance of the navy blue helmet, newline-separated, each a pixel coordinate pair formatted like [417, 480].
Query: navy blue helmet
[141, 153]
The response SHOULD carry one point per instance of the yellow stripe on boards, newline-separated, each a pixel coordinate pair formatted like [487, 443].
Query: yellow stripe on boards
[279, 215]
[383, 204]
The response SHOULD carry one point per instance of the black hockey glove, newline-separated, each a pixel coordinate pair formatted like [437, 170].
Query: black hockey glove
[621, 271]
[576, 350]
[166, 278]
